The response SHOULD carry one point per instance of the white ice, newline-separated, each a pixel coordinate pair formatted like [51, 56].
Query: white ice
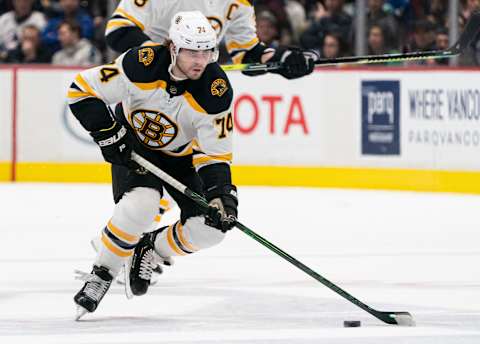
[395, 251]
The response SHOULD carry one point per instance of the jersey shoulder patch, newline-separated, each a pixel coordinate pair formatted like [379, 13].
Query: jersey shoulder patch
[213, 91]
[146, 64]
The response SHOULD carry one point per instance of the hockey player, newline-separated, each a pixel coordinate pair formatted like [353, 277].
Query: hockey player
[168, 96]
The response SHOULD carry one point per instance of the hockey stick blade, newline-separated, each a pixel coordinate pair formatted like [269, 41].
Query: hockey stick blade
[394, 318]
[471, 29]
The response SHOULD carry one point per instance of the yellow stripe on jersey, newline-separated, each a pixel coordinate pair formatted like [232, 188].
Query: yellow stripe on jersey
[172, 244]
[234, 45]
[77, 94]
[121, 234]
[193, 103]
[186, 151]
[86, 87]
[151, 85]
[182, 239]
[150, 44]
[208, 158]
[114, 249]
[125, 14]
[119, 23]
[244, 2]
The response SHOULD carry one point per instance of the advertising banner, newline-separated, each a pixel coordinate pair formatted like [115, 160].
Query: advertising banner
[441, 120]
[381, 117]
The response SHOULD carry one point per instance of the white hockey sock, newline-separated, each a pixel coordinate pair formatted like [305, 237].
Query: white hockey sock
[132, 216]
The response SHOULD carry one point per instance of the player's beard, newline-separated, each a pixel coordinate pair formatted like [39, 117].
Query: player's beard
[191, 73]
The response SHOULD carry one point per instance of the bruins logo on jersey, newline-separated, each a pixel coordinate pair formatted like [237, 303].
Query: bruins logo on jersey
[154, 129]
[145, 56]
[219, 87]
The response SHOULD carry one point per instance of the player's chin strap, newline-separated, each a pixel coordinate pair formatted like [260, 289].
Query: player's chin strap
[173, 56]
[394, 318]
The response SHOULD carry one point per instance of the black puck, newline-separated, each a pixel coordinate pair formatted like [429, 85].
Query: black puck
[352, 323]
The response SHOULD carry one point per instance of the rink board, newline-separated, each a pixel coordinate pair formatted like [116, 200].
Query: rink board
[394, 129]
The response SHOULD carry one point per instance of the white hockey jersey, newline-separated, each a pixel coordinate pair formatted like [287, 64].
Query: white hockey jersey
[165, 115]
[233, 20]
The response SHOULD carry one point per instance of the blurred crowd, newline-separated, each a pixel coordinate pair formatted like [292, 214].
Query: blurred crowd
[71, 32]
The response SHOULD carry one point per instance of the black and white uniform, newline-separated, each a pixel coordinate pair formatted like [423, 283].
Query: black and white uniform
[165, 120]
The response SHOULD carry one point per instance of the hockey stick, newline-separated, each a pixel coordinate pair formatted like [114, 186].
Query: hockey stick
[471, 29]
[395, 318]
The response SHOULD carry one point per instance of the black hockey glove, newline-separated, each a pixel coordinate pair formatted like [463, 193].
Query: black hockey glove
[114, 144]
[295, 62]
[223, 203]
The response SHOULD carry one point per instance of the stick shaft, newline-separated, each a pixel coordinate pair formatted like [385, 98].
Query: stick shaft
[383, 316]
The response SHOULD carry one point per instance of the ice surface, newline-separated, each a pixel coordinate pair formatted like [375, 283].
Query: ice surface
[394, 251]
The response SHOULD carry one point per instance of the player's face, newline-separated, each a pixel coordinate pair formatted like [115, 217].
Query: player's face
[192, 63]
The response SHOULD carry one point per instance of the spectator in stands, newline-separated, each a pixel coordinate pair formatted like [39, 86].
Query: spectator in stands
[267, 28]
[423, 36]
[376, 41]
[71, 12]
[278, 10]
[376, 15]
[76, 51]
[13, 22]
[333, 46]
[328, 18]
[30, 48]
[441, 39]
[437, 12]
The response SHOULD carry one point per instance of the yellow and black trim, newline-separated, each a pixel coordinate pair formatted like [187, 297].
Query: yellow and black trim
[173, 244]
[118, 241]
[203, 159]
[245, 2]
[235, 46]
[177, 241]
[121, 13]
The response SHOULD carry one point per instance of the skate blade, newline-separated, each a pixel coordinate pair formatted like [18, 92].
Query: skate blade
[80, 312]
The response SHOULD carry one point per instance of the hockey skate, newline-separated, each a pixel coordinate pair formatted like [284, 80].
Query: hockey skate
[120, 279]
[140, 267]
[96, 286]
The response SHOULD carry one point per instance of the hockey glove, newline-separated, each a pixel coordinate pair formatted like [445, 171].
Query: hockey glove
[113, 143]
[223, 203]
[295, 62]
